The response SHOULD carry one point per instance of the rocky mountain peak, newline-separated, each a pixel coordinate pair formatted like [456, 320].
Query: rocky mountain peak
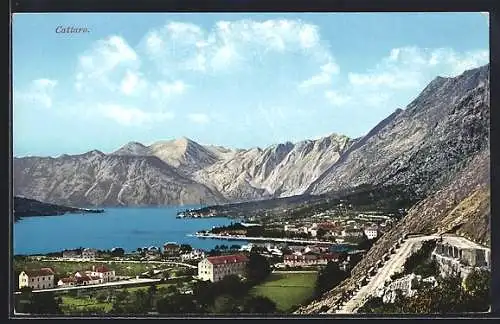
[132, 148]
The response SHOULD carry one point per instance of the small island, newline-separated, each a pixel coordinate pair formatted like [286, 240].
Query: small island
[25, 207]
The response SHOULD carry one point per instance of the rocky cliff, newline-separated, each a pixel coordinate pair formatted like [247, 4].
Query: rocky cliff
[461, 206]
[423, 145]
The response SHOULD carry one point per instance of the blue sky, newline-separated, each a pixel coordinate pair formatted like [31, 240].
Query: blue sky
[237, 80]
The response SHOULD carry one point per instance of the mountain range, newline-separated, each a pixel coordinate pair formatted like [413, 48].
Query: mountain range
[422, 146]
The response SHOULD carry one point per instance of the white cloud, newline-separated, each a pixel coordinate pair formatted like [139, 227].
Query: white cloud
[129, 116]
[322, 78]
[231, 45]
[337, 98]
[410, 67]
[162, 91]
[133, 83]
[39, 93]
[199, 118]
[104, 63]
[401, 74]
[111, 68]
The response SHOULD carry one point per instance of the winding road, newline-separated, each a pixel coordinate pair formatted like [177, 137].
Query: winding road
[393, 265]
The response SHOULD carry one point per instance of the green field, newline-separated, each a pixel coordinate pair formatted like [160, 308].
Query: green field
[287, 289]
[87, 302]
[74, 304]
[70, 267]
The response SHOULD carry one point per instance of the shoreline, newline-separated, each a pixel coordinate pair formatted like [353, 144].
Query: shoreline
[265, 239]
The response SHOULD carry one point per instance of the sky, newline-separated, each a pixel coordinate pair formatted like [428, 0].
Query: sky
[236, 80]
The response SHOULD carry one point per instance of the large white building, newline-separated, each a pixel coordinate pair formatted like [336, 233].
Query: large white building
[37, 279]
[217, 267]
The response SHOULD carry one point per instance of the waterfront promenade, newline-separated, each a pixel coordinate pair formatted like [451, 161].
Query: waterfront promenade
[265, 239]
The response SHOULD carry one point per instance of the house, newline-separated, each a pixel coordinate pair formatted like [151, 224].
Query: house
[371, 232]
[66, 282]
[69, 254]
[248, 247]
[37, 279]
[195, 254]
[217, 267]
[292, 260]
[89, 254]
[171, 249]
[153, 250]
[86, 280]
[102, 272]
[296, 249]
[352, 233]
[317, 248]
[290, 228]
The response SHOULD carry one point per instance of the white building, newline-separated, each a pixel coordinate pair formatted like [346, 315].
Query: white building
[195, 254]
[352, 233]
[66, 282]
[102, 272]
[293, 260]
[37, 279]
[371, 232]
[247, 247]
[217, 267]
[89, 254]
[83, 279]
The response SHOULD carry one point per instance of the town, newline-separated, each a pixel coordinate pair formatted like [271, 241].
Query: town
[87, 280]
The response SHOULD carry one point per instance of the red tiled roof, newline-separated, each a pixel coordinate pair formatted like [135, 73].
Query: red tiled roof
[40, 272]
[227, 259]
[66, 280]
[83, 278]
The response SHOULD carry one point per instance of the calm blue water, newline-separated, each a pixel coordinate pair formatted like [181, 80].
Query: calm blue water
[128, 228]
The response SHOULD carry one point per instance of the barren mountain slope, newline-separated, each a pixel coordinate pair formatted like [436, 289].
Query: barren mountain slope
[462, 207]
[97, 179]
[423, 145]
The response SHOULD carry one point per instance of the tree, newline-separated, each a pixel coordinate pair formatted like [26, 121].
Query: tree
[44, 303]
[185, 248]
[141, 302]
[257, 268]
[117, 252]
[24, 300]
[101, 296]
[259, 305]
[477, 284]
[224, 304]
[320, 233]
[343, 256]
[329, 277]
[176, 304]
